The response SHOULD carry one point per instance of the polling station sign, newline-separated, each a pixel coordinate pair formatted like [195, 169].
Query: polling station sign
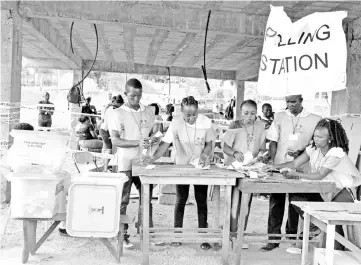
[306, 56]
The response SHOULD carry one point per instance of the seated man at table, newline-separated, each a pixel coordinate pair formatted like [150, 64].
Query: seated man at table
[329, 160]
[192, 136]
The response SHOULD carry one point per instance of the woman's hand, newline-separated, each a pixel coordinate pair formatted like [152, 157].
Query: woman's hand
[289, 173]
[204, 160]
[239, 156]
[154, 140]
[270, 168]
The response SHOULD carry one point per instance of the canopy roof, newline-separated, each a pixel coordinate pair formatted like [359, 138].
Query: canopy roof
[146, 37]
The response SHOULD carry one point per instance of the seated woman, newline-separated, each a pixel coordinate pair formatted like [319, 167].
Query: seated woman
[244, 140]
[192, 137]
[85, 130]
[328, 160]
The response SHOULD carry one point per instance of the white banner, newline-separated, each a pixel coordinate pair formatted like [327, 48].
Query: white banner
[306, 56]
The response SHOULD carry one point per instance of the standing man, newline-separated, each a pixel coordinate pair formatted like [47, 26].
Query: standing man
[90, 109]
[290, 133]
[267, 115]
[131, 126]
[45, 113]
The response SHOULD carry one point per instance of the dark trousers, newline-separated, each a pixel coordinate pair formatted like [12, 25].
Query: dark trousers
[200, 192]
[343, 196]
[126, 196]
[276, 210]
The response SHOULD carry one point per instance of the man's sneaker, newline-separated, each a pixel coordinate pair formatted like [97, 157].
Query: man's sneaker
[269, 247]
[63, 232]
[126, 243]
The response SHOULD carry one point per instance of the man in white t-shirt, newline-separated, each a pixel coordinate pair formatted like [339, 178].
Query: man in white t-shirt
[130, 128]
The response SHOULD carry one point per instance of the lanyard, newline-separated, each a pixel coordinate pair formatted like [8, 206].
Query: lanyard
[194, 140]
[249, 136]
[140, 129]
[294, 126]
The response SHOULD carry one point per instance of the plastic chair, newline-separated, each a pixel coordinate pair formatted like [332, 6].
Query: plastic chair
[84, 158]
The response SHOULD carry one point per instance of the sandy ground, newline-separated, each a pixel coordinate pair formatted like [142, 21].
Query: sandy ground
[59, 250]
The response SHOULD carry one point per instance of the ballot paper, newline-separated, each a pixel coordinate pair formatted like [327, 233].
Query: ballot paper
[195, 163]
[150, 167]
[158, 134]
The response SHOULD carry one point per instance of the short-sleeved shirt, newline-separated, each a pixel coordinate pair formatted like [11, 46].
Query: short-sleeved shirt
[45, 112]
[131, 125]
[107, 118]
[191, 137]
[344, 174]
[84, 130]
[238, 138]
[286, 124]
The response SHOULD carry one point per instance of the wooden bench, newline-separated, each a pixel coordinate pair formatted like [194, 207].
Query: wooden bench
[31, 246]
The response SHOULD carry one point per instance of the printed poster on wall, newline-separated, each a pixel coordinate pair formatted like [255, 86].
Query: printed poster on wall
[306, 56]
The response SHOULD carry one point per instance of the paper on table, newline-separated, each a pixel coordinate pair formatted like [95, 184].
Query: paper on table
[253, 175]
[195, 163]
[150, 167]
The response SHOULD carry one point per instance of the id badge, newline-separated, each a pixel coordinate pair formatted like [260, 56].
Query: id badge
[293, 137]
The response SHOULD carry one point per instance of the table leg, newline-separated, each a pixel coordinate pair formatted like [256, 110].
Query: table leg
[330, 242]
[25, 254]
[306, 232]
[226, 224]
[217, 199]
[241, 224]
[146, 193]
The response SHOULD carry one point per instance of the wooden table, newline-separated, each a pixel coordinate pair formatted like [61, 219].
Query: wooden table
[29, 228]
[275, 183]
[326, 215]
[186, 174]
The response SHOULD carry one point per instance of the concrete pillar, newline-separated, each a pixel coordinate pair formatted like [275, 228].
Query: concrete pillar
[73, 142]
[349, 101]
[10, 97]
[239, 98]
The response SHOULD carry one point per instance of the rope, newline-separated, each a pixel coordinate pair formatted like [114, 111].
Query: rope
[204, 54]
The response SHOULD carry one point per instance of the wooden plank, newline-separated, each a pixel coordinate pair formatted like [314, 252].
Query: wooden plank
[241, 224]
[338, 237]
[306, 232]
[46, 235]
[277, 184]
[110, 247]
[145, 225]
[77, 39]
[184, 171]
[185, 230]
[330, 242]
[249, 72]
[54, 38]
[188, 39]
[29, 62]
[122, 67]
[211, 44]
[129, 35]
[104, 42]
[217, 200]
[240, 45]
[240, 89]
[155, 45]
[186, 235]
[192, 180]
[192, 240]
[165, 16]
[226, 225]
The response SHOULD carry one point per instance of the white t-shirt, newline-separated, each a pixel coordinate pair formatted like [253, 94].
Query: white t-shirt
[192, 137]
[131, 125]
[107, 118]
